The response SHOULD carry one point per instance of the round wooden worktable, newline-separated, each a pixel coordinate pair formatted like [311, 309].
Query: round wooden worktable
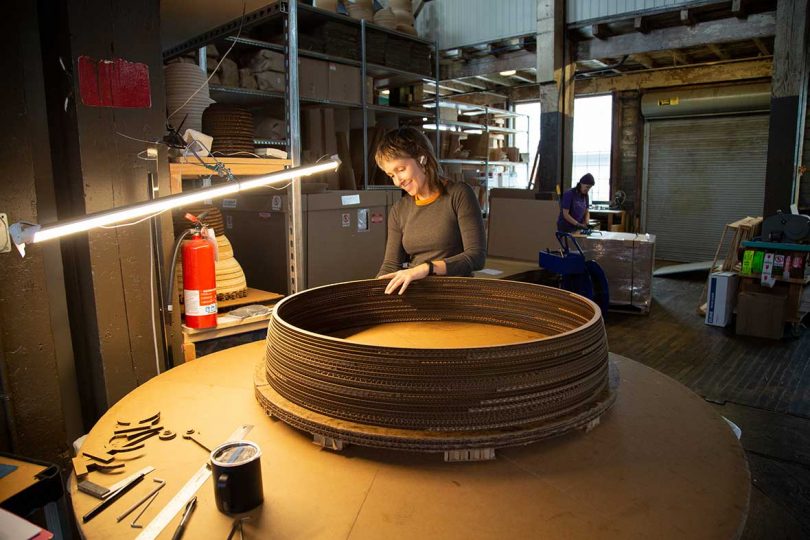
[662, 464]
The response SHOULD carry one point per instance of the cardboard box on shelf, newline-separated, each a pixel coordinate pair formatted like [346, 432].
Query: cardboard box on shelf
[512, 153]
[313, 77]
[448, 114]
[497, 154]
[370, 90]
[721, 298]
[478, 145]
[344, 83]
[760, 315]
[271, 81]
[266, 60]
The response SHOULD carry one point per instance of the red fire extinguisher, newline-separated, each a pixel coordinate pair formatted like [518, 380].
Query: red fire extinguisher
[199, 280]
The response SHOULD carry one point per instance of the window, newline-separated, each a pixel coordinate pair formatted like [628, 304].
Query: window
[593, 123]
[527, 145]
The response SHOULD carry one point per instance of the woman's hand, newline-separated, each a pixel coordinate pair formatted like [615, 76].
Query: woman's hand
[401, 279]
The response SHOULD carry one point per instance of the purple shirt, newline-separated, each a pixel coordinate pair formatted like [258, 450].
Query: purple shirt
[577, 205]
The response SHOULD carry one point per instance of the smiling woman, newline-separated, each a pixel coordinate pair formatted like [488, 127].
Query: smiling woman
[437, 229]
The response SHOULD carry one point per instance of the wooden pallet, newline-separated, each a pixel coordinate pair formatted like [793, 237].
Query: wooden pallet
[738, 231]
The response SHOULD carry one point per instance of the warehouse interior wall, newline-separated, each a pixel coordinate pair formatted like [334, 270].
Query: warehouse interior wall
[37, 379]
[76, 315]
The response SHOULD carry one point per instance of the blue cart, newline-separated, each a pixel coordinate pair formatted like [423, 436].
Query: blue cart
[579, 275]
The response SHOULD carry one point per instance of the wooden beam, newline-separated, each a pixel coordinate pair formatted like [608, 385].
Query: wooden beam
[524, 77]
[600, 31]
[666, 77]
[645, 60]
[490, 64]
[738, 9]
[452, 86]
[679, 57]
[679, 37]
[550, 38]
[791, 66]
[496, 79]
[762, 47]
[718, 52]
[687, 18]
[471, 84]
[640, 24]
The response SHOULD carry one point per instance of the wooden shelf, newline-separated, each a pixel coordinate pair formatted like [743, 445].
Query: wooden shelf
[757, 277]
[254, 296]
[190, 166]
[230, 327]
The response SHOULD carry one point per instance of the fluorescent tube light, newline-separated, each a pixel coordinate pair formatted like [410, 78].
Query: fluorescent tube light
[23, 233]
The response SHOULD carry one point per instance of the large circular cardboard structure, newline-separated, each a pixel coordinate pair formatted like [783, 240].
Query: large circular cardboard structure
[351, 363]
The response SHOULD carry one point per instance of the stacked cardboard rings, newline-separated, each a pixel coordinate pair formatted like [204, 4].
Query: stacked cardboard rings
[443, 398]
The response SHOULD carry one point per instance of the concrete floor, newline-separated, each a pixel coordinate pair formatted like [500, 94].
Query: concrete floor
[760, 385]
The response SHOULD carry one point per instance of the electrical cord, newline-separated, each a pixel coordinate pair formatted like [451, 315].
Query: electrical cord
[152, 300]
[131, 223]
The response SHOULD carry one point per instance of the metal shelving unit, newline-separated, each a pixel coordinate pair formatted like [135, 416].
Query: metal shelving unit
[284, 18]
[458, 126]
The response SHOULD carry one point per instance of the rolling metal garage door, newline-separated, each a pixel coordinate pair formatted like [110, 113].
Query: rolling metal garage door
[700, 174]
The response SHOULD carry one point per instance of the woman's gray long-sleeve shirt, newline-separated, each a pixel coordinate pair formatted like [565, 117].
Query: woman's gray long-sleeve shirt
[450, 229]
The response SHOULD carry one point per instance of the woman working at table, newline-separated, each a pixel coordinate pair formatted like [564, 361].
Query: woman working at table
[437, 228]
[574, 213]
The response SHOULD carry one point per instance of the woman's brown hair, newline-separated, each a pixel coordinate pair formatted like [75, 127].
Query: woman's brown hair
[409, 142]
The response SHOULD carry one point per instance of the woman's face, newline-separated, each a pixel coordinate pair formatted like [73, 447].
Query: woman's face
[585, 188]
[407, 174]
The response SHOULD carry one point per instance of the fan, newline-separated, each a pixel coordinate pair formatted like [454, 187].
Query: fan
[618, 200]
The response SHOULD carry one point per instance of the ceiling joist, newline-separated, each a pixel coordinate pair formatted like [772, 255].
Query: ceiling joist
[680, 37]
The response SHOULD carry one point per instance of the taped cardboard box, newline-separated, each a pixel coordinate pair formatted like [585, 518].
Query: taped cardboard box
[760, 315]
[344, 83]
[478, 145]
[313, 77]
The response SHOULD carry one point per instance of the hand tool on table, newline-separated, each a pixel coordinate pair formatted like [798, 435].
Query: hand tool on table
[111, 498]
[135, 524]
[102, 492]
[238, 524]
[181, 527]
[146, 497]
[189, 434]
[166, 515]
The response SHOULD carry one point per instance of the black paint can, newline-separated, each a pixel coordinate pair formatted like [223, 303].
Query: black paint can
[237, 475]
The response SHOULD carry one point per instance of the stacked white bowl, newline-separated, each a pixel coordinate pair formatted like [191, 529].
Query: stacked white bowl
[182, 80]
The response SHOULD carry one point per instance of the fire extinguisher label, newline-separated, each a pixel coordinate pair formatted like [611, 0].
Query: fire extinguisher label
[199, 303]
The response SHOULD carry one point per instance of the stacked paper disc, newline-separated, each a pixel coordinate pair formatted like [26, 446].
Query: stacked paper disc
[385, 17]
[231, 282]
[231, 127]
[182, 81]
[361, 9]
[403, 13]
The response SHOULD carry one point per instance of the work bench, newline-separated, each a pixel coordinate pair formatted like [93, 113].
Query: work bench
[662, 463]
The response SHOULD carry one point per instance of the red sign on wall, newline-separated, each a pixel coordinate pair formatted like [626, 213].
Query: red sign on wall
[114, 83]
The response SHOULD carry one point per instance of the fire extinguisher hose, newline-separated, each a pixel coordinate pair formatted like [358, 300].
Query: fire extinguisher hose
[170, 289]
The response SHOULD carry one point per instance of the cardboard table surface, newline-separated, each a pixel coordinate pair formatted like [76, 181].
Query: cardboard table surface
[661, 463]
[21, 478]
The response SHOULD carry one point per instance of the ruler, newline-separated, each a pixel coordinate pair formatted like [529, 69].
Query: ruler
[185, 494]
